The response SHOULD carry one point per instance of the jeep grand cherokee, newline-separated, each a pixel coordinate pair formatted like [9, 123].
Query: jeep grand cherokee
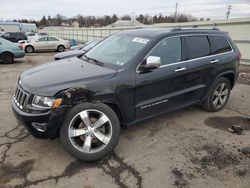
[128, 77]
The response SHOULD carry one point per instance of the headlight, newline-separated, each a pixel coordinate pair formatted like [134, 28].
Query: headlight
[42, 102]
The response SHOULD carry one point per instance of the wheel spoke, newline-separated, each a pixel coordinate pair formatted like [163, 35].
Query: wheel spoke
[76, 132]
[103, 138]
[225, 92]
[216, 93]
[102, 120]
[87, 144]
[215, 102]
[85, 118]
[221, 101]
[222, 86]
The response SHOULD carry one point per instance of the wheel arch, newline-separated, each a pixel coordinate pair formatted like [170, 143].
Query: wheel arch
[7, 52]
[30, 46]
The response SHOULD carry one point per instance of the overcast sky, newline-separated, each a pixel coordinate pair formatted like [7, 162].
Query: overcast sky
[35, 9]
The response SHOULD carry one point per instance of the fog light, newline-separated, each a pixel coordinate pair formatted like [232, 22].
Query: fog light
[41, 127]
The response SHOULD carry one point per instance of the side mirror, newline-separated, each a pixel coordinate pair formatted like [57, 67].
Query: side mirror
[152, 62]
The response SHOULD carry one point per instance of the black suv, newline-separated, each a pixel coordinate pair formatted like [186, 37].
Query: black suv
[14, 36]
[128, 77]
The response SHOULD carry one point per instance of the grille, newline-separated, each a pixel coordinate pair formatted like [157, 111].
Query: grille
[20, 97]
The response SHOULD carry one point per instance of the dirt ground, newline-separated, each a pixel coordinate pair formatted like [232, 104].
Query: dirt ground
[186, 148]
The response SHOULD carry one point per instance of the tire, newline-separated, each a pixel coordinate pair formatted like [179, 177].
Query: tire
[7, 58]
[60, 48]
[29, 49]
[218, 95]
[76, 142]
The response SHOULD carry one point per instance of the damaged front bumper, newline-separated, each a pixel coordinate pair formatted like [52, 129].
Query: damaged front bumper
[41, 125]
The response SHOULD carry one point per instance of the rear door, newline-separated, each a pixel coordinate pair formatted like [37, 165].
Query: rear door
[200, 64]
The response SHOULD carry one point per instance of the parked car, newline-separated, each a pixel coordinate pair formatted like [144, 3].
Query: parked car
[77, 52]
[128, 77]
[9, 51]
[46, 43]
[14, 36]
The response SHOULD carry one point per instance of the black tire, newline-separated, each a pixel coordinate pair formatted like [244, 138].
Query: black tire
[211, 99]
[29, 49]
[108, 148]
[7, 58]
[60, 48]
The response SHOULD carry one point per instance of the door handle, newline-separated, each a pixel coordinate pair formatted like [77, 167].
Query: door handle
[180, 69]
[214, 61]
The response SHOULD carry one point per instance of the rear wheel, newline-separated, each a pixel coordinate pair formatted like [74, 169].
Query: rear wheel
[60, 48]
[7, 58]
[218, 95]
[29, 49]
[90, 131]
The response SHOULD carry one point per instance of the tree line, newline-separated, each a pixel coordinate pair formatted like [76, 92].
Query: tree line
[101, 21]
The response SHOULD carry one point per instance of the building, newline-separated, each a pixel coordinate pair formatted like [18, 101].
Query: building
[75, 24]
[126, 23]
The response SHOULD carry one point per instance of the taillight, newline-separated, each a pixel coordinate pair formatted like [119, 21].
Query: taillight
[20, 46]
[239, 56]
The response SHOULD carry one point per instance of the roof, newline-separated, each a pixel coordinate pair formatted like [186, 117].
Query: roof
[154, 32]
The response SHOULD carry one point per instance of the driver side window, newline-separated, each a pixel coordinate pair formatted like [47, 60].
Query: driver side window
[169, 50]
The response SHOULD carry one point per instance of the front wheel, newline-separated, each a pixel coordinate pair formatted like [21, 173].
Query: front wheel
[218, 95]
[90, 131]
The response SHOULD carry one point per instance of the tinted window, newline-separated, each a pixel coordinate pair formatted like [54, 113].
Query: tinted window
[198, 46]
[7, 35]
[169, 50]
[52, 39]
[43, 39]
[219, 44]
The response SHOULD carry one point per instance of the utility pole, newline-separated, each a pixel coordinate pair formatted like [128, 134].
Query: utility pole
[229, 7]
[175, 13]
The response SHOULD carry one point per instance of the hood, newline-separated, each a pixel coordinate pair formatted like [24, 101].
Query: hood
[72, 53]
[48, 79]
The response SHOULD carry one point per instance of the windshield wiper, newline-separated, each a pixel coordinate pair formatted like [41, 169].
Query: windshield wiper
[93, 60]
[96, 61]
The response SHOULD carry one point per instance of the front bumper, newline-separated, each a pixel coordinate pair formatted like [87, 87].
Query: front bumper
[49, 121]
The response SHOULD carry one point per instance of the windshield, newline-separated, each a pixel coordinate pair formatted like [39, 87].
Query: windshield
[89, 45]
[117, 49]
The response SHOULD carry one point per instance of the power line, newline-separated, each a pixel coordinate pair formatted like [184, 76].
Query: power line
[229, 7]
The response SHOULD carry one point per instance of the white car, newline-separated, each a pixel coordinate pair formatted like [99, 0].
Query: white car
[46, 43]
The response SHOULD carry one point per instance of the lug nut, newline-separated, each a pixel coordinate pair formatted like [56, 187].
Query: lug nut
[86, 128]
[86, 134]
[92, 135]
[95, 130]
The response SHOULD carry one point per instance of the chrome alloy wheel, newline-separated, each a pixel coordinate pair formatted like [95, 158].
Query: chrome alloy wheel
[220, 95]
[90, 131]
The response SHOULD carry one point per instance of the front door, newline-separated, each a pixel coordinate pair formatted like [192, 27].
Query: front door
[164, 88]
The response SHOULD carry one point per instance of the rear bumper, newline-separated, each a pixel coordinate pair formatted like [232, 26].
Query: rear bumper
[19, 54]
[42, 125]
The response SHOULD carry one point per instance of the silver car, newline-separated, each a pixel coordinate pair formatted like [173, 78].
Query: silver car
[46, 43]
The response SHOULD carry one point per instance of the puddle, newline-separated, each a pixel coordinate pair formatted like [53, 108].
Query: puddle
[223, 123]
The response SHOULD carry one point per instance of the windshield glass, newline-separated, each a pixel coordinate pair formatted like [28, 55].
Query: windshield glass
[117, 49]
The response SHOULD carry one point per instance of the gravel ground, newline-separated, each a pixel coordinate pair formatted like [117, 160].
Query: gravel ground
[184, 148]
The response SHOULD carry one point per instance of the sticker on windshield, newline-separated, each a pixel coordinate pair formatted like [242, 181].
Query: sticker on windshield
[140, 40]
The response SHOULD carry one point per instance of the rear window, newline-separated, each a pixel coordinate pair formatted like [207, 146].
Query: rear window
[198, 46]
[219, 44]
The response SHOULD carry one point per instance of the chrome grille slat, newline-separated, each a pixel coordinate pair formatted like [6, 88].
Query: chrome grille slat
[20, 97]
